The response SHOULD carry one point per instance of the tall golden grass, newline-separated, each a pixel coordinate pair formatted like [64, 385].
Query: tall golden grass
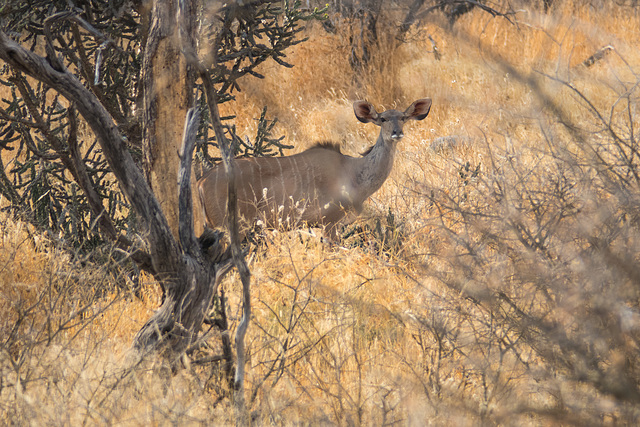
[416, 318]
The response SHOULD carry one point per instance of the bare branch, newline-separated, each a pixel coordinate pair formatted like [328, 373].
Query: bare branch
[238, 255]
[187, 237]
[162, 244]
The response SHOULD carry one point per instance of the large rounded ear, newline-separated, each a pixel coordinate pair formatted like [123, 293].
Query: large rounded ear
[365, 112]
[418, 110]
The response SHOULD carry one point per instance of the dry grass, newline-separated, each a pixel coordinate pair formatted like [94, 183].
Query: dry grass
[425, 324]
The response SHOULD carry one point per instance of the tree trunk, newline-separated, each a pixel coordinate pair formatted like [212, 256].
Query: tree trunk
[168, 93]
[190, 280]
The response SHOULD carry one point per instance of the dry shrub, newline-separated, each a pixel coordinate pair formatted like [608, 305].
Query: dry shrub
[543, 254]
[514, 296]
[66, 326]
[318, 346]
[510, 293]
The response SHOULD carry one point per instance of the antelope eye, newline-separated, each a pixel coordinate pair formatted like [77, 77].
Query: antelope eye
[382, 120]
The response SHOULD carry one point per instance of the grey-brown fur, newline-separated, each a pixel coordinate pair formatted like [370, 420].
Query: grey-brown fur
[327, 145]
[319, 186]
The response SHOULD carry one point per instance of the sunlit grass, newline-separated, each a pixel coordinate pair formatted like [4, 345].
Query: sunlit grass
[345, 334]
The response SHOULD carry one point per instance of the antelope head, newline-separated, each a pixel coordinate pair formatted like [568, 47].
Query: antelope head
[391, 122]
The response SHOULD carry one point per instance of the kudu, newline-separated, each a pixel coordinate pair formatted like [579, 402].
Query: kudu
[319, 186]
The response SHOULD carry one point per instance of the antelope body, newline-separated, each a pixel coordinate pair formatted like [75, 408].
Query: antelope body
[319, 186]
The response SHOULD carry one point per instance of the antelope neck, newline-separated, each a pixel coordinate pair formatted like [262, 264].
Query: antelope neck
[372, 170]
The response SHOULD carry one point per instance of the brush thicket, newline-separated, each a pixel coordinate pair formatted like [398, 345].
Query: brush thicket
[492, 279]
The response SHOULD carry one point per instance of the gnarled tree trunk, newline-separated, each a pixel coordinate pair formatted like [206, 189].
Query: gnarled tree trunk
[167, 83]
[190, 280]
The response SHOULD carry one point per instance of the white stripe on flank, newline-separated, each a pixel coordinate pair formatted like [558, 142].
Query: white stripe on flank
[259, 164]
[281, 181]
[297, 179]
[307, 186]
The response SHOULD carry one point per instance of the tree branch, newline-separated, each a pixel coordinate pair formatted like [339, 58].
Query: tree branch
[238, 255]
[164, 250]
[185, 202]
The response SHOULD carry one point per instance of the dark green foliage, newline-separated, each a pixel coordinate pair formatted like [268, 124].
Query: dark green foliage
[263, 144]
[247, 36]
[40, 181]
[37, 183]
[102, 43]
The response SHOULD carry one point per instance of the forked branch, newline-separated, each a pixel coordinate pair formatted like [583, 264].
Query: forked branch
[111, 140]
[187, 237]
[236, 251]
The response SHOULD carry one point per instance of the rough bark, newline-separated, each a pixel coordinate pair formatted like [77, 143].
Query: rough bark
[168, 94]
[189, 279]
[178, 320]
